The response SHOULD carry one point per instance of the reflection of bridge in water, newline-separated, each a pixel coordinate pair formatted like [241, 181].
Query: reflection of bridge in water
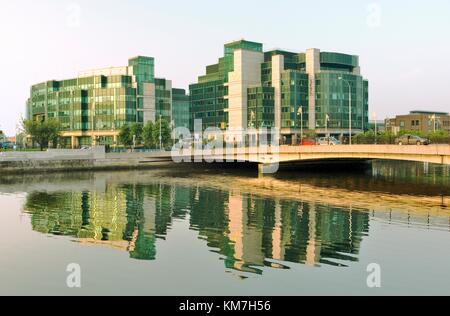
[250, 230]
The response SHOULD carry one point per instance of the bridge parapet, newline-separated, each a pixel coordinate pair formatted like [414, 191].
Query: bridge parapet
[434, 154]
[439, 154]
[395, 149]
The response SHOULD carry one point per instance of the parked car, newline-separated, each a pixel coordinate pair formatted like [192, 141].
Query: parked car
[308, 142]
[412, 140]
[7, 145]
[328, 141]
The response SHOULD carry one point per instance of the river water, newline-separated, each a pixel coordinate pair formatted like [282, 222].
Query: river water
[211, 232]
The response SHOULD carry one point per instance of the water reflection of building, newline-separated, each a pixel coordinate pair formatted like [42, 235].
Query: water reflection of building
[85, 215]
[126, 217]
[249, 232]
[253, 232]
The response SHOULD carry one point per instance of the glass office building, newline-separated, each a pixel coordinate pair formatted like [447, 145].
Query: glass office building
[313, 90]
[180, 108]
[94, 106]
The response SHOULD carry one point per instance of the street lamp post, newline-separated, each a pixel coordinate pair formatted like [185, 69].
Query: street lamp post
[349, 108]
[160, 132]
[433, 118]
[300, 111]
[254, 124]
[172, 126]
[374, 116]
[253, 119]
[376, 133]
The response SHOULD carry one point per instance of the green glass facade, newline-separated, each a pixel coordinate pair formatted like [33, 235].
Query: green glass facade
[94, 106]
[294, 95]
[208, 96]
[317, 82]
[246, 88]
[261, 107]
[294, 92]
[333, 99]
[180, 108]
[163, 99]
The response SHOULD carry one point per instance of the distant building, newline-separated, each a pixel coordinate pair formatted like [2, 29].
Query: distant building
[421, 121]
[378, 125]
[7, 142]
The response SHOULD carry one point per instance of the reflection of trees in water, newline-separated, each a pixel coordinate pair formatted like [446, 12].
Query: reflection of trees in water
[430, 179]
[247, 231]
[386, 176]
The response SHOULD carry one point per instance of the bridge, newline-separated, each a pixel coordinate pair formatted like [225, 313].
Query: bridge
[267, 158]
[437, 154]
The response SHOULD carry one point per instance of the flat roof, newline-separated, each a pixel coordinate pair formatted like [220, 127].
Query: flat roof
[429, 112]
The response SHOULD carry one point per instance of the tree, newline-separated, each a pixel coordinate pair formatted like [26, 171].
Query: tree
[136, 131]
[415, 133]
[370, 137]
[2, 138]
[386, 138]
[163, 127]
[43, 132]
[439, 137]
[125, 136]
[365, 138]
[147, 135]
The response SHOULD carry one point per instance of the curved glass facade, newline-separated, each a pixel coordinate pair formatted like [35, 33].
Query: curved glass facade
[94, 106]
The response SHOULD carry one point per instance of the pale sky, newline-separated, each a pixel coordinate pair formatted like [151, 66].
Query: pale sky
[404, 46]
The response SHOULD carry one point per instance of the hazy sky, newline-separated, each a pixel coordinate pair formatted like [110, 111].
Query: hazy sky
[404, 46]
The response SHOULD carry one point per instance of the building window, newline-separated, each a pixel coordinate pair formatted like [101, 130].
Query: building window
[402, 123]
